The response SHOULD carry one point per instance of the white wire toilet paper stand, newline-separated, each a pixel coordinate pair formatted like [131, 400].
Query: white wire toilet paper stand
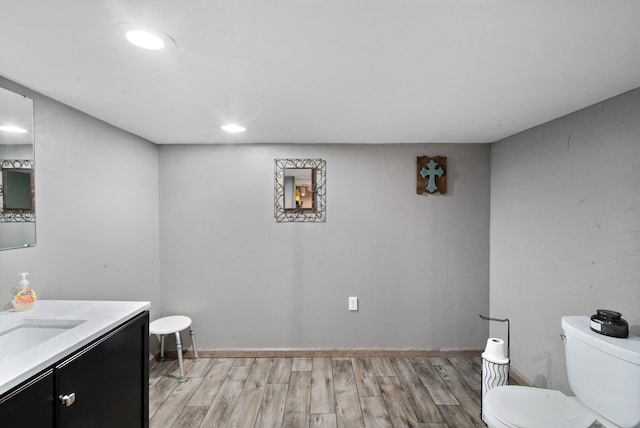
[494, 373]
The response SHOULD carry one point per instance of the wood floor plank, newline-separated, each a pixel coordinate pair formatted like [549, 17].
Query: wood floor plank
[420, 399]
[296, 410]
[323, 420]
[456, 417]
[469, 400]
[382, 366]
[175, 403]
[477, 363]
[322, 392]
[375, 413]
[348, 411]
[398, 405]
[240, 362]
[281, 370]
[272, 407]
[366, 380]
[212, 382]
[226, 399]
[159, 392]
[201, 368]
[302, 364]
[433, 382]
[246, 410]
[157, 370]
[439, 361]
[467, 372]
[191, 417]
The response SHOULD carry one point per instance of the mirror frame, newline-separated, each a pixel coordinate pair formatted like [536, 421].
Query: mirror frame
[317, 214]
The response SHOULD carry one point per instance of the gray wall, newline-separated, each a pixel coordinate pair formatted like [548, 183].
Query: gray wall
[565, 229]
[419, 264]
[97, 211]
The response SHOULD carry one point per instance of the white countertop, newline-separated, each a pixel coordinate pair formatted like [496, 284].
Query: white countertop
[99, 318]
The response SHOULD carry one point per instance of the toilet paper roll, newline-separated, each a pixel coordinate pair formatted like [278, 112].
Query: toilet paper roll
[495, 351]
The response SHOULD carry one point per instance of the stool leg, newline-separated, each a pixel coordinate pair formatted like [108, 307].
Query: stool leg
[179, 349]
[162, 357]
[196, 357]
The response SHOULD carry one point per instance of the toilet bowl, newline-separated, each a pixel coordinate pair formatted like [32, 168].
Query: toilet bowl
[521, 406]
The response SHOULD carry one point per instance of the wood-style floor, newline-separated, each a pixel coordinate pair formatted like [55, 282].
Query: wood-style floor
[434, 392]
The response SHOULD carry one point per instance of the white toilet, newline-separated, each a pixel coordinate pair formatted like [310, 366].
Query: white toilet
[604, 374]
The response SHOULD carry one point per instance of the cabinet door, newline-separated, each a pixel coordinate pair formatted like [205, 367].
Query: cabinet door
[30, 405]
[110, 380]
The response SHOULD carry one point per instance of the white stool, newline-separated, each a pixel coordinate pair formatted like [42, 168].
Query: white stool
[174, 324]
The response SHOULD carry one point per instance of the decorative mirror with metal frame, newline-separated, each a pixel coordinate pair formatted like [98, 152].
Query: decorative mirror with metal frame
[16, 191]
[300, 192]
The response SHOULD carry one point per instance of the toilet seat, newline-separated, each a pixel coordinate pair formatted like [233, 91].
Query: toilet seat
[521, 406]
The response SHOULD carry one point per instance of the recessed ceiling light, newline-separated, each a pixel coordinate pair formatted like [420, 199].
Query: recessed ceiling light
[233, 128]
[145, 40]
[145, 37]
[13, 129]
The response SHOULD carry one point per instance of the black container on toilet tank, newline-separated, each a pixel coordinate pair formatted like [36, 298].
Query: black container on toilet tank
[609, 323]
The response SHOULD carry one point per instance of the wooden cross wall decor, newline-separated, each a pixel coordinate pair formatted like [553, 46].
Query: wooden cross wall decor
[432, 175]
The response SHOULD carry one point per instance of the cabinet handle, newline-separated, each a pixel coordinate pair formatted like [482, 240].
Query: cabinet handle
[68, 399]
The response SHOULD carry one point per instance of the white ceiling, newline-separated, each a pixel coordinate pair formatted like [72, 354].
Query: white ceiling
[326, 71]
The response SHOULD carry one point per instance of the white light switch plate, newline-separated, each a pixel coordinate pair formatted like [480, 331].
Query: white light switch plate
[353, 303]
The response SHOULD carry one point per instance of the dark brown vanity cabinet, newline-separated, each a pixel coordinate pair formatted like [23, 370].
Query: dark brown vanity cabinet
[105, 384]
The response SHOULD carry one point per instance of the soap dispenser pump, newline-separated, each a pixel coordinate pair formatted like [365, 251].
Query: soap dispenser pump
[26, 297]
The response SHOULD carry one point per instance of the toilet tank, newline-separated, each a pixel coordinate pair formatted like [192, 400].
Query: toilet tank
[604, 372]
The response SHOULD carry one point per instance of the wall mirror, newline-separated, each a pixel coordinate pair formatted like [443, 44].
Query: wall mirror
[17, 189]
[300, 194]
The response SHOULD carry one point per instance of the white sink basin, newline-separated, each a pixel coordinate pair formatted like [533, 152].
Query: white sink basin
[27, 333]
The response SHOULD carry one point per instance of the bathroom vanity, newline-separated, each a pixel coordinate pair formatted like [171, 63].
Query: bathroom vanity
[75, 364]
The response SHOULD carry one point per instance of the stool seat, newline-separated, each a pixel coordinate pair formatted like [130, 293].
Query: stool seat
[174, 325]
[168, 325]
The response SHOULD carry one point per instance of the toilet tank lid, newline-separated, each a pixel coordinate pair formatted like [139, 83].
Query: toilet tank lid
[578, 327]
